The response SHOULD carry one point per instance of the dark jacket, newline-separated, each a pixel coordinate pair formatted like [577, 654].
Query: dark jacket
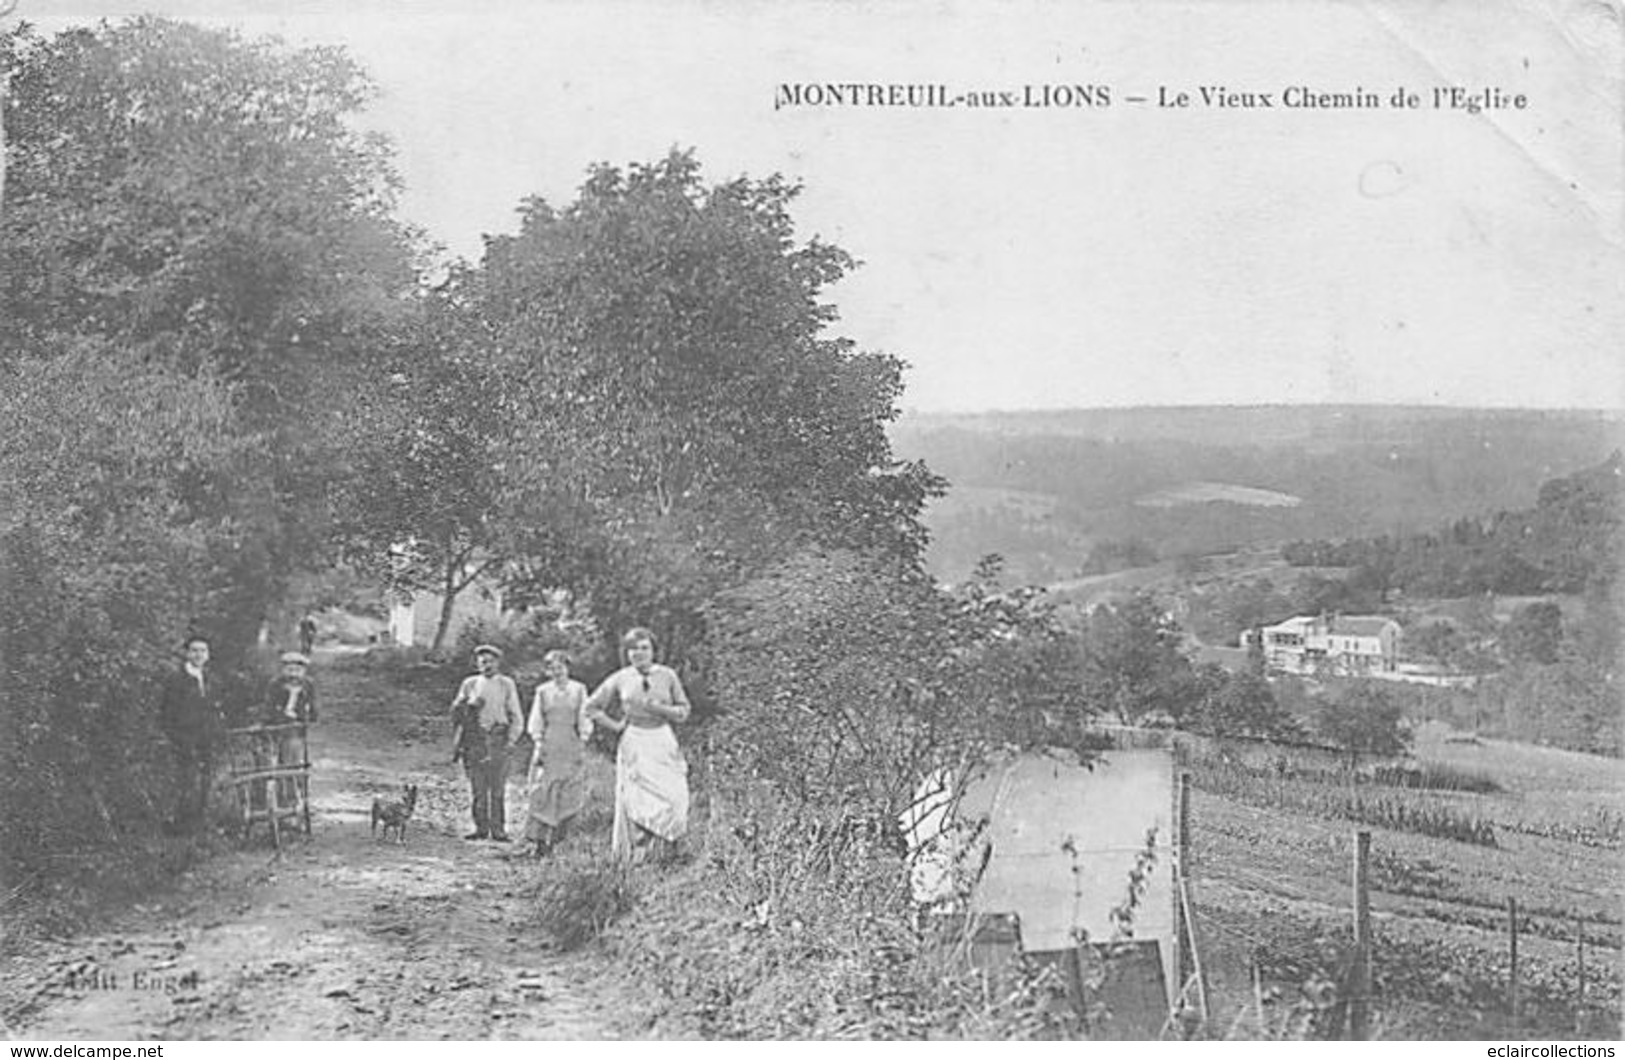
[275, 710]
[191, 716]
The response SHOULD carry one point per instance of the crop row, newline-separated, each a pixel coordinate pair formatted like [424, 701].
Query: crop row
[1395, 810]
[1602, 828]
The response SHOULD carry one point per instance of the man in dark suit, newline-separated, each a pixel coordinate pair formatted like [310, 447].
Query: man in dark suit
[192, 719]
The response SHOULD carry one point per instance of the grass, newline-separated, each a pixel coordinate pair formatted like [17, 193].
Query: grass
[582, 895]
[765, 930]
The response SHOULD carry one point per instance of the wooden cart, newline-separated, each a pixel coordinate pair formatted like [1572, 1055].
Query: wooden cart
[270, 770]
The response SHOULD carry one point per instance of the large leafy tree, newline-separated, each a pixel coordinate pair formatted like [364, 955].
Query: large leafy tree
[426, 506]
[844, 679]
[6, 8]
[101, 567]
[685, 404]
[1364, 718]
[196, 259]
[1535, 633]
[1133, 662]
[1242, 704]
[202, 204]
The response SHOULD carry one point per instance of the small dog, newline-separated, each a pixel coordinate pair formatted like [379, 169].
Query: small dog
[395, 814]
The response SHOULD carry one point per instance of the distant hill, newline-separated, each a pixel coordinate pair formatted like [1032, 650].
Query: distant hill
[1566, 542]
[1110, 473]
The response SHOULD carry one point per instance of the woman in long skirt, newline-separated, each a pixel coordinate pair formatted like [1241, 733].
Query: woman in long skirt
[651, 775]
[559, 729]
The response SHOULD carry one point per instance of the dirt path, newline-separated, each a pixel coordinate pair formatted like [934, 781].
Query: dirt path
[340, 937]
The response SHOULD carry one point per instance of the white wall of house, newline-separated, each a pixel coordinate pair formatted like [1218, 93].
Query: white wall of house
[414, 619]
[1352, 645]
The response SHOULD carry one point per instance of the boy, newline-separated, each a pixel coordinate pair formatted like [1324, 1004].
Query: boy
[290, 697]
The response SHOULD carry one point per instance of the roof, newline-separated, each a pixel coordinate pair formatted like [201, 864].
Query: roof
[1339, 625]
[1360, 625]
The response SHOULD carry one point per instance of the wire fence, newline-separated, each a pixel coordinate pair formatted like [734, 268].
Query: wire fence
[1285, 954]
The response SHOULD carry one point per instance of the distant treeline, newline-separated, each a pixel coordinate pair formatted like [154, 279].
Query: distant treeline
[1565, 544]
[1555, 675]
[1357, 473]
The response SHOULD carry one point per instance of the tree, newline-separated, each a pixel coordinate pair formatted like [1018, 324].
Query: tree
[1363, 718]
[103, 570]
[1243, 705]
[195, 259]
[1314, 595]
[1439, 641]
[6, 9]
[1535, 633]
[1229, 612]
[203, 204]
[682, 388]
[844, 679]
[1573, 703]
[1133, 665]
[424, 505]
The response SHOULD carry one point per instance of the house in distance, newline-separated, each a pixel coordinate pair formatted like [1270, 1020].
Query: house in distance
[1344, 645]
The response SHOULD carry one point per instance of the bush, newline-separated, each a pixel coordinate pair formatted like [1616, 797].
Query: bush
[790, 924]
[841, 682]
[1364, 719]
[524, 641]
[104, 572]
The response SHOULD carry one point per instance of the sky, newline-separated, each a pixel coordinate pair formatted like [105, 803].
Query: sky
[1055, 257]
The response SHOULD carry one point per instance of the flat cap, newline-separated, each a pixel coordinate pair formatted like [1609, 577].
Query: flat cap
[488, 649]
[295, 657]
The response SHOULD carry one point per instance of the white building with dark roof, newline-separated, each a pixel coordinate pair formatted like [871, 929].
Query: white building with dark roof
[1348, 645]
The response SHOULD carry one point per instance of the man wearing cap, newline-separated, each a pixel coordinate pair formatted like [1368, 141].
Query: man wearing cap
[289, 698]
[291, 695]
[490, 719]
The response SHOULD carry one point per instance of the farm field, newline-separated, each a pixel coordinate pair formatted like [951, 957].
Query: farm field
[1212, 492]
[1273, 893]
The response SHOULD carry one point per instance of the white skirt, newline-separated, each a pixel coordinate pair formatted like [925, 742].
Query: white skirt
[651, 787]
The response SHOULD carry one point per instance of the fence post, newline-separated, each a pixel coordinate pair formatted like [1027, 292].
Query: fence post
[1182, 859]
[1512, 973]
[1580, 955]
[1360, 973]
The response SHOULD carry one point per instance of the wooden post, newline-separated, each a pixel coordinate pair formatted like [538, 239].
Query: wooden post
[1182, 865]
[1360, 972]
[1198, 976]
[1258, 998]
[1580, 957]
[1512, 972]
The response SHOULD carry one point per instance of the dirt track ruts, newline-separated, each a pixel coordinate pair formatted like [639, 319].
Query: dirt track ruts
[342, 936]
